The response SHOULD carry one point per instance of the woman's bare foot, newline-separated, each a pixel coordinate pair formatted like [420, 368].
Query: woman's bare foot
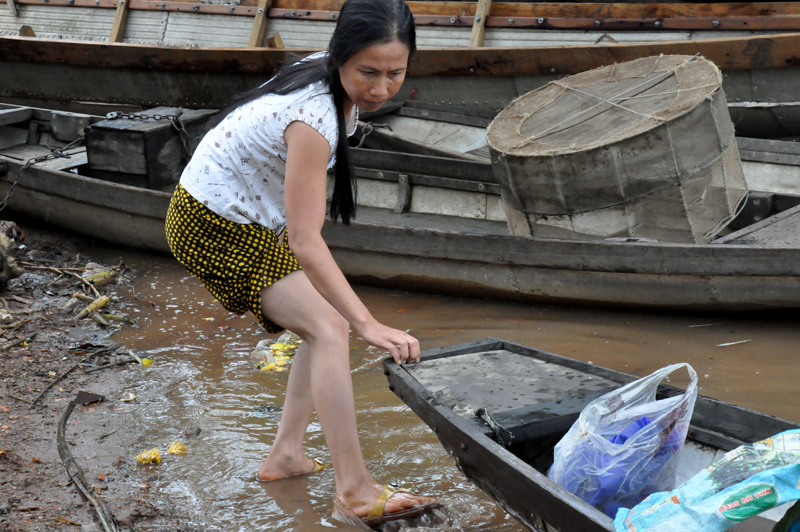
[401, 503]
[273, 469]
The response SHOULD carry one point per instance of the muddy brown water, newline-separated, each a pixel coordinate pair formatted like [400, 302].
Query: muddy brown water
[204, 377]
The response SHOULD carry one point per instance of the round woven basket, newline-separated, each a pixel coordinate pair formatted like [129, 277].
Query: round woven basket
[639, 149]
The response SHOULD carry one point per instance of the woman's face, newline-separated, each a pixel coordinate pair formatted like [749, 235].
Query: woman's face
[374, 75]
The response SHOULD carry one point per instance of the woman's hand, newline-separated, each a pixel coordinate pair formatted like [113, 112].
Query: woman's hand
[403, 347]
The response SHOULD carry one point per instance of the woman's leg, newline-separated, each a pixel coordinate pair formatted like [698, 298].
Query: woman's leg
[286, 457]
[293, 303]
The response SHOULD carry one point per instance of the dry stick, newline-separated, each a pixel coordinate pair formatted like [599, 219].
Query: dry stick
[70, 370]
[20, 300]
[18, 341]
[16, 325]
[120, 363]
[33, 267]
[24, 401]
[5, 304]
[78, 277]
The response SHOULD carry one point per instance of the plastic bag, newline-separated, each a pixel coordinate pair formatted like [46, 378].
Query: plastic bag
[745, 482]
[624, 444]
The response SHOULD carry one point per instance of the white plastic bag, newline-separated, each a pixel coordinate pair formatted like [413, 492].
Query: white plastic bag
[624, 444]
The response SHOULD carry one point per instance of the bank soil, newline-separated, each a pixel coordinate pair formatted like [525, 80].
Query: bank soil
[47, 356]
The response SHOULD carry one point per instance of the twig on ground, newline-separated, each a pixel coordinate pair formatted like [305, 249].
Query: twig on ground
[120, 363]
[24, 400]
[34, 267]
[70, 370]
[78, 277]
[16, 325]
[18, 341]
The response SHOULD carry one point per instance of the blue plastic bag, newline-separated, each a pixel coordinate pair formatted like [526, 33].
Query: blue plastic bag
[624, 444]
[745, 482]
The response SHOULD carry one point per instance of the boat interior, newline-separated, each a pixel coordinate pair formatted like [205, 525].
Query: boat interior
[526, 400]
[418, 165]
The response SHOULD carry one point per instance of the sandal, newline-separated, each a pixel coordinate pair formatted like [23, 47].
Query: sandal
[377, 516]
[318, 466]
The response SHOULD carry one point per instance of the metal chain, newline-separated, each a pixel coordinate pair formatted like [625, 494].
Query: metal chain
[56, 153]
[174, 119]
[369, 127]
[142, 117]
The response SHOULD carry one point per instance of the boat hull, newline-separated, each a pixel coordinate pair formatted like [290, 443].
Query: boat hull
[664, 276]
[760, 84]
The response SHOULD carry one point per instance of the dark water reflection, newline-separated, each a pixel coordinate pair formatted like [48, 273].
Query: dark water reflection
[204, 377]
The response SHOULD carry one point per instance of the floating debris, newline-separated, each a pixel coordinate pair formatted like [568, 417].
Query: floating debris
[733, 343]
[128, 397]
[149, 457]
[177, 447]
[275, 354]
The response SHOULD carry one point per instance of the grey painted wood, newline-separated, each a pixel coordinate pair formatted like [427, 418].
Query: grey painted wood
[14, 116]
[385, 140]
[148, 147]
[446, 254]
[778, 231]
[601, 256]
[424, 165]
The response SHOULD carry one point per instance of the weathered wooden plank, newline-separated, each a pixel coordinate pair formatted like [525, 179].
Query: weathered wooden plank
[479, 23]
[381, 139]
[778, 231]
[430, 181]
[443, 116]
[259, 24]
[776, 51]
[15, 116]
[93, 192]
[276, 41]
[12, 7]
[664, 260]
[120, 19]
[425, 165]
[150, 148]
[763, 15]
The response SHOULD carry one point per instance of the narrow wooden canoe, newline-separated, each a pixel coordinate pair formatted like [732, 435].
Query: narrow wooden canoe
[430, 249]
[536, 396]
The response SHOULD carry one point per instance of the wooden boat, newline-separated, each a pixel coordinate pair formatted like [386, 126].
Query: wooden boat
[535, 397]
[448, 234]
[437, 224]
[101, 55]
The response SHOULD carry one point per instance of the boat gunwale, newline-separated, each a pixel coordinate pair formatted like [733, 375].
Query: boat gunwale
[728, 53]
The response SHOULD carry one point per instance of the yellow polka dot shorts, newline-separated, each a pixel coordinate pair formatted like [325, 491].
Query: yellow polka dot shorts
[234, 261]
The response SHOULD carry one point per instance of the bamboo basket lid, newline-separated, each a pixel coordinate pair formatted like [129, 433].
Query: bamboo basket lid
[603, 106]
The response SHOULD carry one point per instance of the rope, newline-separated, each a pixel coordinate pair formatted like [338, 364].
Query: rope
[504, 437]
[619, 96]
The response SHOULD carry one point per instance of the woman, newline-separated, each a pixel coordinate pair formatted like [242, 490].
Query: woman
[263, 169]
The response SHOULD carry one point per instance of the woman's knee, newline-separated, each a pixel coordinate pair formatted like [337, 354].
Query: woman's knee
[330, 329]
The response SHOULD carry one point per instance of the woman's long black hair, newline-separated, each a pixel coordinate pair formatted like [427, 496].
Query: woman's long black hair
[362, 23]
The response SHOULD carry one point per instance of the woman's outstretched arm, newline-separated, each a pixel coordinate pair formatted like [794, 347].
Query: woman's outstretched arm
[305, 198]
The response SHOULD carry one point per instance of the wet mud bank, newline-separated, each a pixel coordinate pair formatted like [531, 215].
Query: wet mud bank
[48, 356]
[203, 381]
